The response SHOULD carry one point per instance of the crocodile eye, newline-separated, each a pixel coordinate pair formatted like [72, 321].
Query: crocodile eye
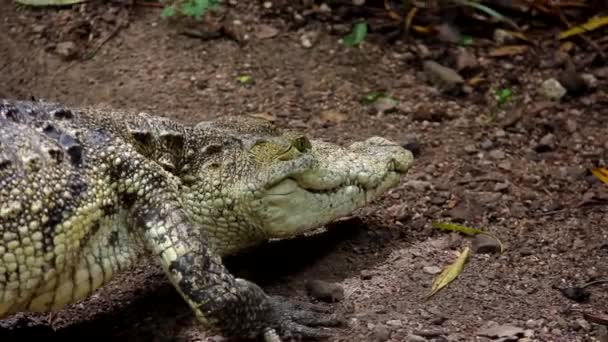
[302, 144]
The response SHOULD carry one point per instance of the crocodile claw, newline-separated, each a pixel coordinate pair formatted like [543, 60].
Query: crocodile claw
[300, 320]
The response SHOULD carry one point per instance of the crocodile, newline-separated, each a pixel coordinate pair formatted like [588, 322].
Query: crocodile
[86, 192]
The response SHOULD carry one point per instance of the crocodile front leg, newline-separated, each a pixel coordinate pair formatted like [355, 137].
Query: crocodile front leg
[235, 307]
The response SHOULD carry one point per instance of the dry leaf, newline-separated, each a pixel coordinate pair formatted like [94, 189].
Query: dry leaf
[508, 50]
[475, 80]
[601, 174]
[265, 116]
[590, 25]
[451, 272]
[332, 116]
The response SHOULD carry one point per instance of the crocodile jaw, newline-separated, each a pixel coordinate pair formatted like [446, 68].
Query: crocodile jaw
[342, 181]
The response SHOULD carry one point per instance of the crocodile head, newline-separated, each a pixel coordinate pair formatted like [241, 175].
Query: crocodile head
[252, 182]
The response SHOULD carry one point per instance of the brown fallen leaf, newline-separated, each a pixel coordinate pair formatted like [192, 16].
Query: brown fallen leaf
[265, 116]
[451, 272]
[508, 50]
[332, 116]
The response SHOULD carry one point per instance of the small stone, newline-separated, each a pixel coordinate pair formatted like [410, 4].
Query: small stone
[526, 251]
[325, 291]
[418, 185]
[498, 187]
[265, 31]
[486, 144]
[305, 41]
[482, 243]
[531, 324]
[465, 60]
[67, 50]
[496, 154]
[583, 324]
[324, 8]
[267, 4]
[432, 270]
[394, 323]
[38, 28]
[499, 331]
[590, 80]
[547, 143]
[552, 89]
[500, 133]
[578, 243]
[571, 126]
[415, 338]
[501, 37]
[446, 79]
[358, 2]
[470, 149]
[528, 333]
[381, 333]
[385, 104]
[505, 165]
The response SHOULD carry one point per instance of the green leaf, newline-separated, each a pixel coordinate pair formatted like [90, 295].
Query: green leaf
[465, 230]
[456, 228]
[372, 97]
[245, 79]
[503, 95]
[357, 35]
[466, 40]
[450, 272]
[168, 11]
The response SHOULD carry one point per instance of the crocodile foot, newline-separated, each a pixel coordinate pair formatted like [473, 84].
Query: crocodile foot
[300, 320]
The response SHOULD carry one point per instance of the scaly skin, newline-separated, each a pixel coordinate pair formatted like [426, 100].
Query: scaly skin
[85, 192]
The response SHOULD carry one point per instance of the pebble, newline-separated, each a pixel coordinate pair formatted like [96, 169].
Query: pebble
[394, 323]
[325, 291]
[501, 37]
[552, 89]
[583, 324]
[590, 80]
[385, 104]
[381, 333]
[431, 270]
[571, 125]
[496, 154]
[465, 60]
[531, 324]
[305, 41]
[67, 50]
[482, 243]
[470, 149]
[501, 331]
[415, 338]
[505, 165]
[418, 185]
[446, 79]
[500, 187]
[487, 144]
[547, 143]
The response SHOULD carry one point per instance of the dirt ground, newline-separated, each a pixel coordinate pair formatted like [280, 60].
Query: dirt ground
[520, 172]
